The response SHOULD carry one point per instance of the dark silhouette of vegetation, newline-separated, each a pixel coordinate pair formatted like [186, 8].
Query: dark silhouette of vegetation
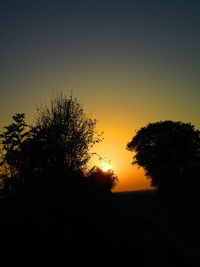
[102, 182]
[67, 132]
[51, 200]
[52, 151]
[47, 189]
[12, 161]
[170, 154]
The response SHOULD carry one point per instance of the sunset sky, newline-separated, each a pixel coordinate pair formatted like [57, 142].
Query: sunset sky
[128, 62]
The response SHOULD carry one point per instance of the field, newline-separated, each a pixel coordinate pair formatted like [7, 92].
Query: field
[167, 232]
[133, 227]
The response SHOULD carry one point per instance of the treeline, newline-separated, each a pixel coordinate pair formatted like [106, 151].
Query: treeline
[47, 161]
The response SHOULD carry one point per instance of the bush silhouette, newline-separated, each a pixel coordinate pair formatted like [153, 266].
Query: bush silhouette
[169, 153]
[102, 182]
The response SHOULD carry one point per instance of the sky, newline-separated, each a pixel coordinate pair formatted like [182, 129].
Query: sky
[128, 62]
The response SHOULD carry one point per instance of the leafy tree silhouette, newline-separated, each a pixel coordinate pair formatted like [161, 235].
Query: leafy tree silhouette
[12, 164]
[54, 149]
[68, 133]
[170, 154]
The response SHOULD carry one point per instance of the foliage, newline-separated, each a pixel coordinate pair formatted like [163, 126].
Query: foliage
[169, 152]
[12, 161]
[102, 181]
[57, 145]
[65, 134]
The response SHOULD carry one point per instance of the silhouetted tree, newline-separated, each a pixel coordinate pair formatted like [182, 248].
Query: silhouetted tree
[50, 153]
[12, 161]
[67, 132]
[170, 154]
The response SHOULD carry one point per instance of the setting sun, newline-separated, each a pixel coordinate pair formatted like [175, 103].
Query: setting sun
[105, 168]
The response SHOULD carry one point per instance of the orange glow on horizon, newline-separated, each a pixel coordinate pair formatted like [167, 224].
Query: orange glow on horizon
[113, 150]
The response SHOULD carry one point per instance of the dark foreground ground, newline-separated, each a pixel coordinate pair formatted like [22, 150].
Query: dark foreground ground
[133, 229]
